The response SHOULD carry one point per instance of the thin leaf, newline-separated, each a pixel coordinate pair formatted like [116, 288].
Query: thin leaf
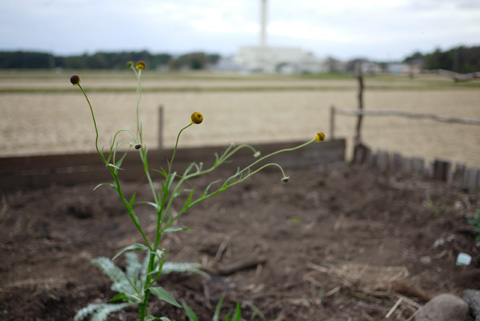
[134, 298]
[132, 200]
[120, 161]
[190, 314]
[133, 247]
[154, 205]
[177, 229]
[161, 171]
[217, 309]
[170, 180]
[205, 192]
[227, 317]
[105, 184]
[145, 164]
[102, 313]
[238, 313]
[121, 296]
[189, 168]
[189, 199]
[89, 309]
[199, 167]
[114, 166]
[162, 294]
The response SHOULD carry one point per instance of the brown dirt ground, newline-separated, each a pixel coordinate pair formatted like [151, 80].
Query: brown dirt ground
[342, 244]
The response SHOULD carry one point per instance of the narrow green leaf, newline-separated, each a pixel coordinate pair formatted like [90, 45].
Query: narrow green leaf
[227, 317]
[205, 192]
[105, 184]
[120, 296]
[177, 229]
[190, 314]
[132, 200]
[189, 168]
[133, 247]
[114, 166]
[120, 161]
[162, 294]
[164, 190]
[161, 171]
[189, 199]
[170, 180]
[238, 313]
[217, 309]
[154, 205]
[199, 167]
[133, 298]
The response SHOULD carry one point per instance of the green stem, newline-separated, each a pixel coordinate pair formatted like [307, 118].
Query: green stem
[175, 149]
[222, 189]
[94, 122]
[139, 97]
[258, 170]
[275, 153]
[131, 213]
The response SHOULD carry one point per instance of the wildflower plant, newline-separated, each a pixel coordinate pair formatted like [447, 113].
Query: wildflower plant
[139, 282]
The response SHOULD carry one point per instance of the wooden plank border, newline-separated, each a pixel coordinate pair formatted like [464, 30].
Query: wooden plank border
[41, 171]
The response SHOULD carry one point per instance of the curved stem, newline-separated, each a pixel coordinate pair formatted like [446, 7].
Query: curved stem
[94, 122]
[275, 153]
[176, 146]
[139, 97]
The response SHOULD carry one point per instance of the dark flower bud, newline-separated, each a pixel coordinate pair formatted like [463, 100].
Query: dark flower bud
[75, 80]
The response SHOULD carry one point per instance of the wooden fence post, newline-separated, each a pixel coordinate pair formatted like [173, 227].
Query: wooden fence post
[332, 122]
[358, 137]
[160, 127]
[471, 180]
[441, 170]
[361, 153]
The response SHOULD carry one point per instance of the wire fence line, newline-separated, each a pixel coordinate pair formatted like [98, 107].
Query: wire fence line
[334, 111]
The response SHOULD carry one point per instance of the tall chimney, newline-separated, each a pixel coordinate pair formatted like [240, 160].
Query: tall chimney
[263, 23]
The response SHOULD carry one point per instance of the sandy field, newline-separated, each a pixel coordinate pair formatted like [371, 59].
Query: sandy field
[37, 123]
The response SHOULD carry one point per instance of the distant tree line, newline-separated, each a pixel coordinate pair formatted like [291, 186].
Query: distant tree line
[460, 59]
[104, 60]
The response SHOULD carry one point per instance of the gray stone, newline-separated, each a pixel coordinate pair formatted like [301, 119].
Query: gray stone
[445, 307]
[472, 297]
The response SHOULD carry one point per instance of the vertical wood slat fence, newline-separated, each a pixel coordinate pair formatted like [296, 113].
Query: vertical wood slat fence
[460, 176]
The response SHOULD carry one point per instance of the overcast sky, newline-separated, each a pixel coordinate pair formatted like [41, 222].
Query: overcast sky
[345, 29]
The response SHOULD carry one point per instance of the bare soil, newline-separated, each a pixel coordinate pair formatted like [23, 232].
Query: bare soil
[342, 244]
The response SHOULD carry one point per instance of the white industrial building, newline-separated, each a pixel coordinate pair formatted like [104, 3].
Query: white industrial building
[278, 59]
[271, 59]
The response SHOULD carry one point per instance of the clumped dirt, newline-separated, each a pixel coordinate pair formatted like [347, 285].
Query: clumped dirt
[341, 244]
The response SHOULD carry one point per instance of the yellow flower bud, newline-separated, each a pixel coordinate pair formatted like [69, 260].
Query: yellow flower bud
[140, 65]
[197, 118]
[129, 64]
[320, 137]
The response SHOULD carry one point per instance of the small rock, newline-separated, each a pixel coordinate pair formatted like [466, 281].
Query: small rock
[472, 297]
[445, 307]
[426, 260]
